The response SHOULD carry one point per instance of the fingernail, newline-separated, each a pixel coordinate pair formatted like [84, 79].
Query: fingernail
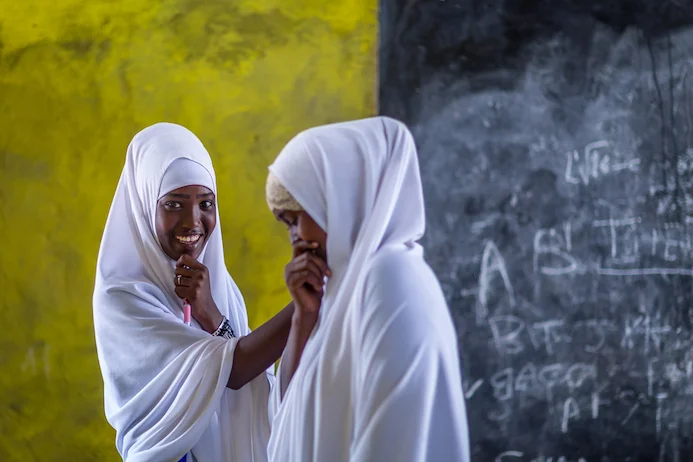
[313, 244]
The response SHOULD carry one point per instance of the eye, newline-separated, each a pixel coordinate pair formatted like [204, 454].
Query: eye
[207, 205]
[173, 205]
[290, 223]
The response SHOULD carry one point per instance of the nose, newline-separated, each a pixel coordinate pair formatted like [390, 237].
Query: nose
[191, 218]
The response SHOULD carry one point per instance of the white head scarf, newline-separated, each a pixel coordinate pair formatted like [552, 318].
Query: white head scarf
[360, 182]
[185, 172]
[164, 382]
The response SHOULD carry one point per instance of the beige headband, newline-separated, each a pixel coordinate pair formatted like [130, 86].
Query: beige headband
[278, 198]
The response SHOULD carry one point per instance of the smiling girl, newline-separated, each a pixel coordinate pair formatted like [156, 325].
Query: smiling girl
[173, 390]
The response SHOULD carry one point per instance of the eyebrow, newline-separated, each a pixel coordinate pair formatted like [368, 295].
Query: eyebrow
[187, 196]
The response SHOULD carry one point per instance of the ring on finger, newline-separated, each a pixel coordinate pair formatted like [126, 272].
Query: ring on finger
[178, 277]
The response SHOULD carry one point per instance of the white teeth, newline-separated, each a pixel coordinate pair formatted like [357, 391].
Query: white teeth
[188, 239]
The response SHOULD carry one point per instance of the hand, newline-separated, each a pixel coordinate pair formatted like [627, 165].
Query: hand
[193, 286]
[304, 276]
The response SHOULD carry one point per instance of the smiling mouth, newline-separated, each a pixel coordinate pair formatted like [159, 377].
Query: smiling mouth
[189, 240]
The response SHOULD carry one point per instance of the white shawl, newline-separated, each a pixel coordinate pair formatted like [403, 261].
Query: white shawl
[379, 380]
[164, 382]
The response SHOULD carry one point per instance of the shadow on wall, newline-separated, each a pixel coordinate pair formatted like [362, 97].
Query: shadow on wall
[77, 80]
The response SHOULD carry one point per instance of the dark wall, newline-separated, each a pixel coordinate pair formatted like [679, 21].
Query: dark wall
[556, 147]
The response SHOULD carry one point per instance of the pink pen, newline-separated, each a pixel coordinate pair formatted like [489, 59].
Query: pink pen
[186, 312]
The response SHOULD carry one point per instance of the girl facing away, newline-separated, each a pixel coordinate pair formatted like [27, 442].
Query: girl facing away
[371, 370]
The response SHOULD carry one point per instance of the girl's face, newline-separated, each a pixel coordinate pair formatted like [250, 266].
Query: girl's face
[185, 218]
[302, 227]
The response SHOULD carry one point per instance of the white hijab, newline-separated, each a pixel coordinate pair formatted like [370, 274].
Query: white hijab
[360, 182]
[164, 382]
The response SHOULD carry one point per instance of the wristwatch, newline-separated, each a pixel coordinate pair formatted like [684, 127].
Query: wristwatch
[224, 330]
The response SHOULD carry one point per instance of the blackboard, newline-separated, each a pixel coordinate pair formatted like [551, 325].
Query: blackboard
[556, 149]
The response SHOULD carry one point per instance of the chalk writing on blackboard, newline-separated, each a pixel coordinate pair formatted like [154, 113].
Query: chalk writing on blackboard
[492, 264]
[595, 162]
[577, 390]
[628, 244]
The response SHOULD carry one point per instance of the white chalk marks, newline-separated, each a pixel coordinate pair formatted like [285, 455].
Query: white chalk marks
[492, 266]
[470, 390]
[549, 244]
[619, 360]
[595, 162]
[554, 359]
[629, 250]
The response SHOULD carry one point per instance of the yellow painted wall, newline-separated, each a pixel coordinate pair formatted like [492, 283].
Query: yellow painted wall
[78, 78]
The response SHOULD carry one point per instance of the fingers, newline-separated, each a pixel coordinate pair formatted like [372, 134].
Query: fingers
[306, 269]
[300, 278]
[182, 281]
[183, 292]
[307, 262]
[189, 287]
[313, 265]
[187, 272]
[300, 247]
[320, 263]
[186, 276]
[187, 260]
[188, 269]
[303, 250]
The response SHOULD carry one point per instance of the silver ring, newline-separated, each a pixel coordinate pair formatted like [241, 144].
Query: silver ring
[178, 279]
